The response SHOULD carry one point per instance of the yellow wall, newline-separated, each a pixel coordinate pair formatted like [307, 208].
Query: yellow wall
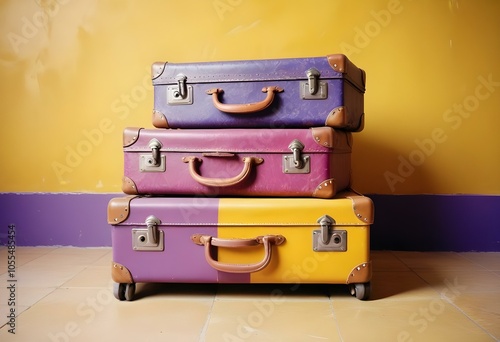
[74, 73]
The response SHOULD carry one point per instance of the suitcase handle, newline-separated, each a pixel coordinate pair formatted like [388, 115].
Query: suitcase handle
[221, 182]
[266, 240]
[243, 108]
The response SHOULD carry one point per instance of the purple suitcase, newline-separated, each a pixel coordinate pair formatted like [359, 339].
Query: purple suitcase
[297, 162]
[278, 93]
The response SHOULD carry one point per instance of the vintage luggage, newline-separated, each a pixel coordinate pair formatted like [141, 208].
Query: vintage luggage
[274, 93]
[300, 162]
[241, 240]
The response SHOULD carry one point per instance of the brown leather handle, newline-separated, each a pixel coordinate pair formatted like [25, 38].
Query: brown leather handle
[242, 108]
[221, 182]
[266, 240]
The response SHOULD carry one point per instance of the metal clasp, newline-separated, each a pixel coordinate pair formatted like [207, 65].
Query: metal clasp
[297, 162]
[296, 146]
[313, 75]
[155, 146]
[153, 162]
[325, 223]
[181, 84]
[149, 238]
[313, 88]
[180, 94]
[328, 239]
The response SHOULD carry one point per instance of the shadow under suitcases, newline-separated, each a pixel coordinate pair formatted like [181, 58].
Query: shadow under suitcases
[264, 291]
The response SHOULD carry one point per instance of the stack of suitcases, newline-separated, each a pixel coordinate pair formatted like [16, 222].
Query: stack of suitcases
[245, 178]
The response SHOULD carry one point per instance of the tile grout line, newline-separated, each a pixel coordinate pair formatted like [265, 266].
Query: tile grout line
[330, 300]
[209, 316]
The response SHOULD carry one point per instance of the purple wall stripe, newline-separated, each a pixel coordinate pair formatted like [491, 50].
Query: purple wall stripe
[436, 223]
[402, 222]
[52, 219]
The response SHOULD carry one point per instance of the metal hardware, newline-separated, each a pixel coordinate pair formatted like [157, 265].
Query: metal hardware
[328, 239]
[297, 147]
[149, 238]
[312, 76]
[155, 146]
[180, 94]
[296, 163]
[181, 84]
[153, 162]
[313, 88]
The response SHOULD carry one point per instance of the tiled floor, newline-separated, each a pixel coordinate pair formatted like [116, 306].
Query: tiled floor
[65, 294]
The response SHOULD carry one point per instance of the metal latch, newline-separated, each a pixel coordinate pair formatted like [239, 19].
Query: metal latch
[181, 93]
[328, 239]
[297, 162]
[153, 162]
[313, 88]
[149, 238]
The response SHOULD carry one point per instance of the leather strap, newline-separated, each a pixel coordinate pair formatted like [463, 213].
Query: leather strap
[267, 241]
[221, 182]
[243, 108]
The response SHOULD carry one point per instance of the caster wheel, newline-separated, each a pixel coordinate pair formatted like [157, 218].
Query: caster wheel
[123, 291]
[119, 291]
[129, 291]
[361, 290]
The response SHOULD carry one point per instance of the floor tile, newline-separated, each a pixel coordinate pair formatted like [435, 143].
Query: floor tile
[436, 260]
[105, 259]
[416, 320]
[453, 282]
[22, 255]
[66, 294]
[70, 256]
[482, 308]
[91, 276]
[5, 312]
[389, 285]
[490, 261]
[272, 319]
[91, 314]
[387, 261]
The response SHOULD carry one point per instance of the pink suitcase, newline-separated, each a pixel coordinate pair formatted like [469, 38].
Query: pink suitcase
[300, 162]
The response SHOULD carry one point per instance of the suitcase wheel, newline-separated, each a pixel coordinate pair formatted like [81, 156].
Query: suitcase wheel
[123, 291]
[361, 290]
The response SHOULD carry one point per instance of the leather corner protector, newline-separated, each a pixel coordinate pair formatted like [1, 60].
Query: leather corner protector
[130, 135]
[128, 186]
[119, 209]
[326, 189]
[323, 136]
[160, 120]
[360, 274]
[157, 69]
[337, 62]
[363, 208]
[337, 118]
[120, 274]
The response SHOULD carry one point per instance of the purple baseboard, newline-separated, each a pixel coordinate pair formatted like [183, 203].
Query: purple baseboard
[436, 223]
[402, 222]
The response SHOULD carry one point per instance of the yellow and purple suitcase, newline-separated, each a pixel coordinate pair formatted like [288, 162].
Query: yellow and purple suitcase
[241, 240]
